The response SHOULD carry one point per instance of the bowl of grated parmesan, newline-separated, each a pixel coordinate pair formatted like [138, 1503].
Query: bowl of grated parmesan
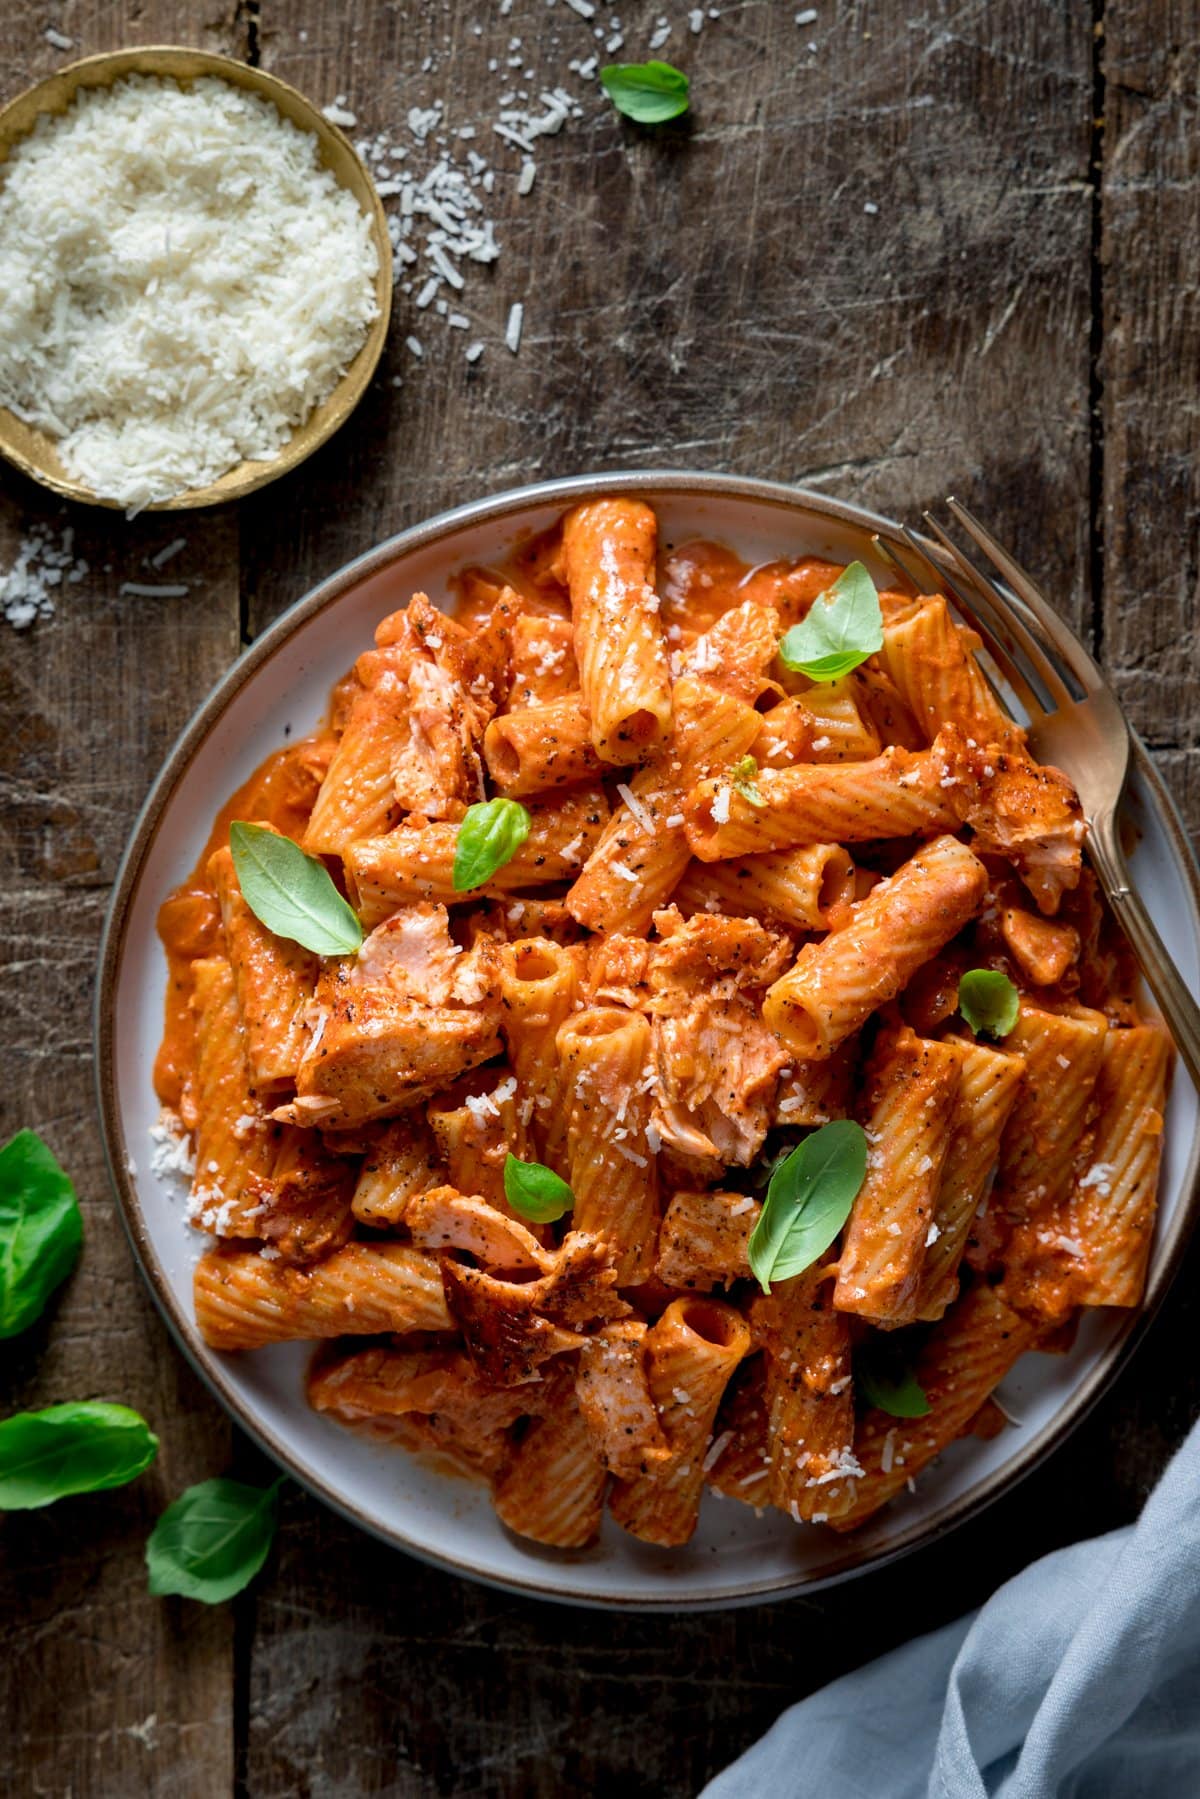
[197, 278]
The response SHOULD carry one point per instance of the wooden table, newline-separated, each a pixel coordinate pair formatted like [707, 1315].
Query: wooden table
[952, 248]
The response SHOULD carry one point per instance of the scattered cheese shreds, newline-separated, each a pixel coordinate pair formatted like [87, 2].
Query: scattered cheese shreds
[645, 819]
[184, 283]
[339, 114]
[171, 1154]
[44, 561]
[170, 550]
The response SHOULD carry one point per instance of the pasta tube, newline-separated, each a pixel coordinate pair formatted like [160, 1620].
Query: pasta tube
[605, 1058]
[911, 1089]
[836, 984]
[608, 554]
[244, 1301]
[692, 1351]
[897, 794]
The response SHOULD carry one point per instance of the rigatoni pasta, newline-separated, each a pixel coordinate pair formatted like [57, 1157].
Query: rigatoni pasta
[531, 1137]
[604, 1062]
[608, 549]
[838, 983]
[908, 1113]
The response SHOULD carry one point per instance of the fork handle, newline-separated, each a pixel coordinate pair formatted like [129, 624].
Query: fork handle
[1179, 1008]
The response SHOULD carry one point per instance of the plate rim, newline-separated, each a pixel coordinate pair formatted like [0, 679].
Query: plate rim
[207, 1365]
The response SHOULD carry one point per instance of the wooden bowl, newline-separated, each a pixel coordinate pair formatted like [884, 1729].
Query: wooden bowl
[34, 452]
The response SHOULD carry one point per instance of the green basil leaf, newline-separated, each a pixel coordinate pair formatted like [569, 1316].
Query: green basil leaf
[842, 628]
[41, 1230]
[988, 1001]
[291, 893]
[648, 92]
[744, 777]
[885, 1382]
[213, 1540]
[808, 1201]
[84, 1448]
[759, 1177]
[490, 835]
[535, 1191]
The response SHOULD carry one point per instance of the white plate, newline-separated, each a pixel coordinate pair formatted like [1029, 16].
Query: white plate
[280, 686]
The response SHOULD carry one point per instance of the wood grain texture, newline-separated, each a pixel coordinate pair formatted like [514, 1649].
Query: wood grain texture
[1150, 66]
[714, 295]
[104, 1690]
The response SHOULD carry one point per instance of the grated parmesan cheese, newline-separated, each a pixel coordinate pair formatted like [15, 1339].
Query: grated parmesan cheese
[644, 819]
[43, 563]
[171, 1155]
[716, 1450]
[184, 283]
[168, 552]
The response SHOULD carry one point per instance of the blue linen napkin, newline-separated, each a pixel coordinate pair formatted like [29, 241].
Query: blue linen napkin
[1079, 1679]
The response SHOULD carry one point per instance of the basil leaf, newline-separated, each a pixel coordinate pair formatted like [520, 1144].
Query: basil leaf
[988, 1001]
[291, 893]
[759, 1177]
[490, 835]
[843, 626]
[744, 777]
[885, 1381]
[535, 1191]
[808, 1201]
[648, 92]
[41, 1230]
[213, 1540]
[84, 1448]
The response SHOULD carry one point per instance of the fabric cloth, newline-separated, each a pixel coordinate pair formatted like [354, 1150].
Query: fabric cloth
[1079, 1679]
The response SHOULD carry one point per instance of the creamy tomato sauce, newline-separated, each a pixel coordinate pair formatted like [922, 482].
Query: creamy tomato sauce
[280, 792]
[698, 581]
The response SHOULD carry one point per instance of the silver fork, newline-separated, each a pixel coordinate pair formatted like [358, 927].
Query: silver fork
[1075, 723]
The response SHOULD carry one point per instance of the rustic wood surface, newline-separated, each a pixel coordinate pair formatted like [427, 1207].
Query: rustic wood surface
[1016, 321]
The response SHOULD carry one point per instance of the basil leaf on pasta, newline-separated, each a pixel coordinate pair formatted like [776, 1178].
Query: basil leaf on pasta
[489, 835]
[808, 1201]
[535, 1191]
[988, 1001]
[41, 1230]
[648, 92]
[292, 893]
[82, 1448]
[885, 1381]
[213, 1540]
[843, 626]
[743, 777]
